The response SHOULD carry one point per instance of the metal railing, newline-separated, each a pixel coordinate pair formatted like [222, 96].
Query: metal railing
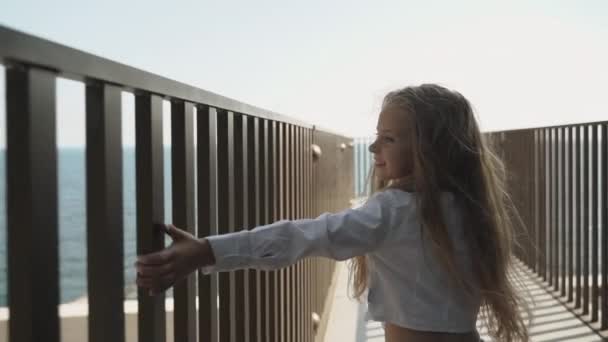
[559, 182]
[254, 167]
[363, 165]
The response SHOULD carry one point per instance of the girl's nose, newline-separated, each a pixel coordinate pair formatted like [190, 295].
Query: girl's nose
[372, 147]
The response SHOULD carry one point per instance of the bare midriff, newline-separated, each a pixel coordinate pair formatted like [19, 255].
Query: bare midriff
[395, 333]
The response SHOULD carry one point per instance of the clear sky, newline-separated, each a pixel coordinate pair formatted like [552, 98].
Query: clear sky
[521, 63]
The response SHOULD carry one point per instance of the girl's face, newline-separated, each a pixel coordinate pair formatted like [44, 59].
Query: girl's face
[391, 149]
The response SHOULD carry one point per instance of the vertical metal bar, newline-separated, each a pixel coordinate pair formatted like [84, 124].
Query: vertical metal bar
[296, 267]
[529, 195]
[594, 223]
[543, 203]
[307, 214]
[538, 201]
[264, 199]
[604, 212]
[291, 200]
[150, 206]
[295, 289]
[556, 212]
[547, 202]
[550, 222]
[304, 282]
[571, 244]
[578, 226]
[281, 196]
[287, 211]
[288, 215]
[537, 186]
[516, 152]
[274, 200]
[585, 227]
[225, 144]
[240, 328]
[318, 264]
[299, 202]
[554, 209]
[257, 285]
[207, 160]
[253, 203]
[32, 209]
[182, 154]
[303, 215]
[292, 215]
[308, 275]
[523, 200]
[540, 208]
[530, 199]
[105, 276]
[562, 209]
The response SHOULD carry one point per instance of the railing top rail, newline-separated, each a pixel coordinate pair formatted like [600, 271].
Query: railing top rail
[544, 127]
[20, 48]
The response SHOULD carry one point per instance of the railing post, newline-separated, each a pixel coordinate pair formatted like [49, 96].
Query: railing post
[241, 304]
[299, 200]
[562, 208]
[273, 181]
[308, 213]
[594, 224]
[150, 207]
[543, 203]
[604, 213]
[226, 212]
[585, 226]
[182, 154]
[291, 270]
[570, 216]
[253, 199]
[263, 187]
[32, 210]
[207, 183]
[282, 198]
[105, 275]
[578, 225]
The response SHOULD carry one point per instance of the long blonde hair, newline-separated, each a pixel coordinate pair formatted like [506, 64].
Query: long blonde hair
[450, 154]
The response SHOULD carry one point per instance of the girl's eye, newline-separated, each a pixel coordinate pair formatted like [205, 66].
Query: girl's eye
[384, 138]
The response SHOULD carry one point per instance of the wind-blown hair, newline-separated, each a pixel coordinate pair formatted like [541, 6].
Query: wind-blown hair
[449, 153]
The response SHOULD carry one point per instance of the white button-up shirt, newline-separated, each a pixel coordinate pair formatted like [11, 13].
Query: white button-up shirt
[407, 285]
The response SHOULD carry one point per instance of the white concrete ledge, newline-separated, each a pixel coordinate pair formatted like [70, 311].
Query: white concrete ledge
[74, 320]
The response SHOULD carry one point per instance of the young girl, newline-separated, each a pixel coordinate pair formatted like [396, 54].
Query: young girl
[432, 246]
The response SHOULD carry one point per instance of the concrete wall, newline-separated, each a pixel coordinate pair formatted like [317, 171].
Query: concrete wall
[74, 323]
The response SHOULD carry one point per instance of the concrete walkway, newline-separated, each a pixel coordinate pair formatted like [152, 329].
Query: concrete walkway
[551, 320]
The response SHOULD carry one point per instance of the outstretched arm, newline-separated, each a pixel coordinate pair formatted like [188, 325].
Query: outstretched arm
[338, 236]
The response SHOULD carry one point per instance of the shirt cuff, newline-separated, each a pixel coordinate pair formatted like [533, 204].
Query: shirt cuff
[231, 251]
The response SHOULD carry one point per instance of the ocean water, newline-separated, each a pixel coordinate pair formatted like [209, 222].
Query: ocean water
[72, 221]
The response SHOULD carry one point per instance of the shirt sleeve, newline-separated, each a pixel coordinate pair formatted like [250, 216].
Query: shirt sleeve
[338, 236]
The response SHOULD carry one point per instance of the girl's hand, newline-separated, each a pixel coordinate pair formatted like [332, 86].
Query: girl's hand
[160, 270]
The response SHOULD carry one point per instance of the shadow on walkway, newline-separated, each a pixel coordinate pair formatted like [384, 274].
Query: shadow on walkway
[551, 320]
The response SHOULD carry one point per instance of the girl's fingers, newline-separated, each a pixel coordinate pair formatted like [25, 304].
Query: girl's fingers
[153, 270]
[157, 258]
[156, 283]
[145, 282]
